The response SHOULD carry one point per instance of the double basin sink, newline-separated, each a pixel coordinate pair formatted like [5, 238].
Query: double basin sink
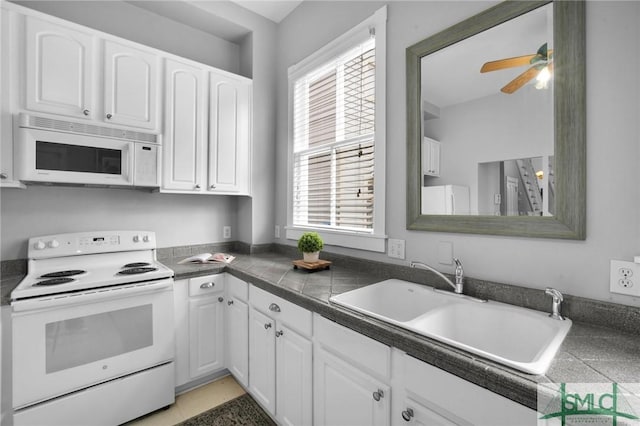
[521, 338]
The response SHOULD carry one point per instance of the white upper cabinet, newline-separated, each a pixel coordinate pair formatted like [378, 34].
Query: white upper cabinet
[130, 86]
[59, 69]
[229, 133]
[213, 158]
[430, 157]
[184, 127]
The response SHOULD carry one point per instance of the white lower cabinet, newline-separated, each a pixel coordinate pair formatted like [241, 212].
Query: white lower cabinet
[237, 330]
[280, 357]
[351, 376]
[427, 395]
[307, 370]
[199, 310]
[345, 395]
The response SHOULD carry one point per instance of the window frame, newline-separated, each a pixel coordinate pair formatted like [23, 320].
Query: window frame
[364, 240]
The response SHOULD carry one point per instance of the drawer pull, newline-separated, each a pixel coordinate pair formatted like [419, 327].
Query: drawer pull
[230, 302]
[109, 116]
[220, 299]
[207, 285]
[377, 395]
[267, 326]
[407, 414]
[279, 333]
[274, 308]
[3, 176]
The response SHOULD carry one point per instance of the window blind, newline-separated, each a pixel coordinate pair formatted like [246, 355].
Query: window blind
[333, 142]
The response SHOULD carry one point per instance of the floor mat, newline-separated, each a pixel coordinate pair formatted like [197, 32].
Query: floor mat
[242, 411]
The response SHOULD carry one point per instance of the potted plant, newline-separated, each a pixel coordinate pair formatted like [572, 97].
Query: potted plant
[310, 245]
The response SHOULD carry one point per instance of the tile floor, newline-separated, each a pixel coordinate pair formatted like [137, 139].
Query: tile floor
[192, 403]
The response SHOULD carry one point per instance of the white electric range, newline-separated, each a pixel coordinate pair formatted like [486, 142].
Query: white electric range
[92, 322]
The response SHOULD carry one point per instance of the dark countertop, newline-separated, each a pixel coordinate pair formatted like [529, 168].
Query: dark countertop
[589, 354]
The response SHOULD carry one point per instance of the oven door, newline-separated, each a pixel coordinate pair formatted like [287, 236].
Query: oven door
[64, 343]
[57, 157]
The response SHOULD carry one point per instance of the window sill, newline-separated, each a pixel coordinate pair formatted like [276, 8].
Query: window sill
[354, 240]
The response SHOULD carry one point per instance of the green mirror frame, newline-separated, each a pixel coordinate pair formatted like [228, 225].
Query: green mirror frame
[569, 221]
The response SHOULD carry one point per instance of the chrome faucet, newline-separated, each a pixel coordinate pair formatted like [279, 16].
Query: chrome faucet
[557, 300]
[457, 287]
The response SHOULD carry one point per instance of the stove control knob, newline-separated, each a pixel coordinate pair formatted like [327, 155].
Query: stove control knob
[39, 245]
[53, 244]
[145, 238]
[136, 238]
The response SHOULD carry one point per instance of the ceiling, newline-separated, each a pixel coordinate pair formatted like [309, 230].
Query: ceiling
[191, 13]
[273, 10]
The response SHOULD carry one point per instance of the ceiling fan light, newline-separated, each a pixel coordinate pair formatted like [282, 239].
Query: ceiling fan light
[542, 80]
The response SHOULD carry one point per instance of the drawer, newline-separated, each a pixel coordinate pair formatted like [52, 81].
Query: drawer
[236, 288]
[208, 284]
[353, 346]
[282, 310]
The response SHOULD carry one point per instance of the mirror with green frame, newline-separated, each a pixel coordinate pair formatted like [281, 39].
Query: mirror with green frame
[495, 128]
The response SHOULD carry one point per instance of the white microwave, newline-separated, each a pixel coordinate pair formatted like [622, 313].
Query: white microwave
[64, 152]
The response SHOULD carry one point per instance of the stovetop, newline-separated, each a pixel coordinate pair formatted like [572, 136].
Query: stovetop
[73, 262]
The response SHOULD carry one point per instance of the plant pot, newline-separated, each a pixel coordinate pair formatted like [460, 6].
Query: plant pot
[311, 257]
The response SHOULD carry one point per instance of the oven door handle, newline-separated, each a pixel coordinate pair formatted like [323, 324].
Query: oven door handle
[55, 301]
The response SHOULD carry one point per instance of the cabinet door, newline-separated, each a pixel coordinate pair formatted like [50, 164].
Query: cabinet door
[130, 79]
[229, 134]
[58, 69]
[293, 377]
[184, 127]
[238, 340]
[206, 334]
[430, 157]
[345, 395]
[6, 128]
[181, 325]
[262, 361]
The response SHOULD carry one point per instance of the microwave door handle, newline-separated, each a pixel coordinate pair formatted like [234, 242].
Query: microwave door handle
[128, 158]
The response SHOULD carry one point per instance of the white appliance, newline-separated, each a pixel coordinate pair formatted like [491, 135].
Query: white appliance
[93, 339]
[445, 199]
[57, 151]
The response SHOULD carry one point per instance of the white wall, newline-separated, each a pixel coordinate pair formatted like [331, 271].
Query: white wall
[613, 97]
[177, 219]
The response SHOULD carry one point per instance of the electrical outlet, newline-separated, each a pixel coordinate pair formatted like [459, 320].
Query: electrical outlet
[277, 232]
[622, 278]
[395, 248]
[226, 232]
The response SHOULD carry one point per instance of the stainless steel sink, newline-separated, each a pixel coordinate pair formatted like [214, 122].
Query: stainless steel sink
[524, 339]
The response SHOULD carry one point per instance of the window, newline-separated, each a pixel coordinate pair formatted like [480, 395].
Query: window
[337, 150]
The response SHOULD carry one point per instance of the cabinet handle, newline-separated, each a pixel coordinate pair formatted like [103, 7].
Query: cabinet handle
[85, 112]
[3, 175]
[377, 395]
[267, 326]
[197, 186]
[220, 299]
[212, 187]
[279, 333]
[230, 302]
[407, 414]
[207, 285]
[274, 308]
[109, 116]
